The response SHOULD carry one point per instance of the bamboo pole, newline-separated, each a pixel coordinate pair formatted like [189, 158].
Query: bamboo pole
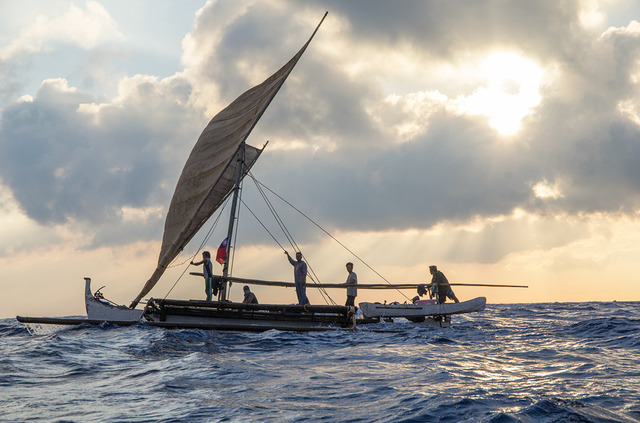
[248, 281]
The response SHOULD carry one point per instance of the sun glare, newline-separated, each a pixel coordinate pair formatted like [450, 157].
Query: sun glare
[545, 189]
[508, 89]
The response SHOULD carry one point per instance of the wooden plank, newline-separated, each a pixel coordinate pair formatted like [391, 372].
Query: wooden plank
[69, 321]
[293, 308]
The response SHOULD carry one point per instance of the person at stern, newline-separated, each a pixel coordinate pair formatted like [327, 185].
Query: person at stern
[352, 281]
[440, 286]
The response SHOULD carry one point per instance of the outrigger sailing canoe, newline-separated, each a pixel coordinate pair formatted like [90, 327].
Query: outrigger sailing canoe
[212, 174]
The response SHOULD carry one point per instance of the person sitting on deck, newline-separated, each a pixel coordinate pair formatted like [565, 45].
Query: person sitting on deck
[440, 285]
[249, 297]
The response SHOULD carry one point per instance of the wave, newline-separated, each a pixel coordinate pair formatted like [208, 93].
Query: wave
[620, 332]
[563, 410]
[511, 363]
[605, 326]
[8, 327]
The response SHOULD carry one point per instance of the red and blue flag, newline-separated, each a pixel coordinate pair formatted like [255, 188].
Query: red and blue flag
[221, 256]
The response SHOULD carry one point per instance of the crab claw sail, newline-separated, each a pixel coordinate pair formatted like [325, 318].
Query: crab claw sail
[207, 177]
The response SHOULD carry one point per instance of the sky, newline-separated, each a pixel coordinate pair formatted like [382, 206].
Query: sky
[497, 140]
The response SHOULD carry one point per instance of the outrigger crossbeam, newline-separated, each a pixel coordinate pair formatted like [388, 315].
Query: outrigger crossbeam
[249, 281]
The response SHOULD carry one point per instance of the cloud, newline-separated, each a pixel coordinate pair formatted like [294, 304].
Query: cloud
[70, 161]
[451, 30]
[84, 28]
[415, 161]
[368, 132]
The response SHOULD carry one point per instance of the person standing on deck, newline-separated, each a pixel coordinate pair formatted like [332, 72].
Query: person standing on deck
[440, 285]
[352, 290]
[300, 277]
[207, 272]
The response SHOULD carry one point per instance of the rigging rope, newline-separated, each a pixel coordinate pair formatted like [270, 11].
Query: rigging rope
[323, 230]
[314, 278]
[286, 232]
[262, 224]
[202, 244]
[322, 290]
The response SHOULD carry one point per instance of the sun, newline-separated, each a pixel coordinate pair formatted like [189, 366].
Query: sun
[507, 89]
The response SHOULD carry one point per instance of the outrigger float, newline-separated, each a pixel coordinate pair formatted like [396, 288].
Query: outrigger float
[427, 311]
[213, 174]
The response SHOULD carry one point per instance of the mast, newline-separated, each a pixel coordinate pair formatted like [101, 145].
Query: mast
[232, 216]
[191, 204]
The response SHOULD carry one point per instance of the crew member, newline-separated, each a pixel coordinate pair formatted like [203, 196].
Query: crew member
[352, 281]
[207, 272]
[440, 285]
[249, 297]
[300, 277]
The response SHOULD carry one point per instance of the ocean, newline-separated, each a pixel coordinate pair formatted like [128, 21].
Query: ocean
[556, 362]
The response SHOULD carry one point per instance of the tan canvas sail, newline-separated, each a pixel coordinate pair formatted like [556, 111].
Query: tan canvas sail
[194, 200]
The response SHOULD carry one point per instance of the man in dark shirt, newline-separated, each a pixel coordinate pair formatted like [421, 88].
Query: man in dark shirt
[207, 272]
[249, 297]
[440, 285]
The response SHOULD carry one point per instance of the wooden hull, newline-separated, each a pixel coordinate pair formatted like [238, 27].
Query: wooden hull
[213, 315]
[416, 311]
[209, 315]
[102, 311]
[98, 312]
[247, 317]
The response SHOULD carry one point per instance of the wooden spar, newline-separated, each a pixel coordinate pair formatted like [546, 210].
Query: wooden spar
[344, 286]
[488, 284]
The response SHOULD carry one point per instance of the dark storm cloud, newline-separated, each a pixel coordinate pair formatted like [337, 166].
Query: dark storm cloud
[451, 28]
[316, 100]
[412, 185]
[460, 169]
[66, 165]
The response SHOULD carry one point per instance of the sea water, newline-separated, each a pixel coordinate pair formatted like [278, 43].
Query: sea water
[561, 362]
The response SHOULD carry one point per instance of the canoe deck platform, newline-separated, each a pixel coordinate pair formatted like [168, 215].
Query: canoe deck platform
[253, 317]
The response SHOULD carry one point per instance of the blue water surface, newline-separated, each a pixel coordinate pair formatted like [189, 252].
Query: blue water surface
[560, 362]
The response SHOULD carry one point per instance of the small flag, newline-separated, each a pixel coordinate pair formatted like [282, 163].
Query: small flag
[222, 251]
